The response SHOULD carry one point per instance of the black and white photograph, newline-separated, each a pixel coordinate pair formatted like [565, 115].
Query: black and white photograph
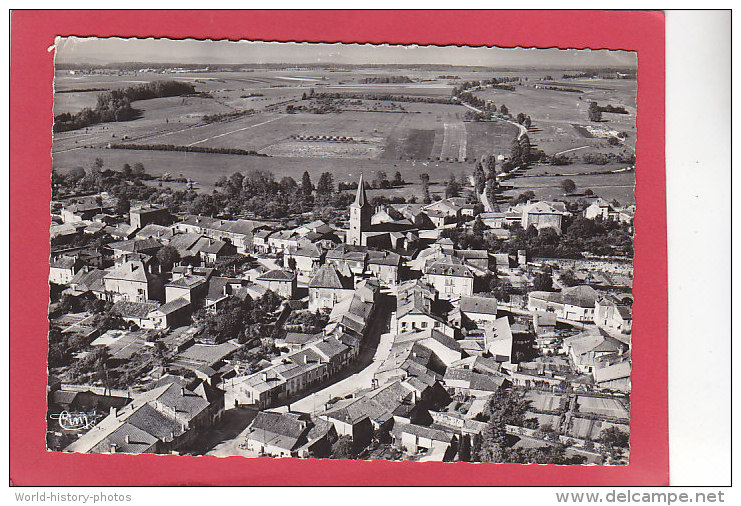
[341, 251]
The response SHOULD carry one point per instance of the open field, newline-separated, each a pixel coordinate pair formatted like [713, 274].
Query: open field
[412, 137]
[555, 112]
[208, 168]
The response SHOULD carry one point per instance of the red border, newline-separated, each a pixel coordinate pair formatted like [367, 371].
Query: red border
[32, 32]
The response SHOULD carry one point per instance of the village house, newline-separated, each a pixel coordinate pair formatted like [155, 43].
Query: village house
[576, 303]
[327, 287]
[289, 435]
[135, 312]
[587, 348]
[451, 280]
[478, 309]
[466, 382]
[416, 439]
[385, 265]
[280, 281]
[128, 248]
[612, 316]
[162, 420]
[87, 281]
[307, 257]
[143, 215]
[133, 281]
[190, 287]
[498, 339]
[615, 377]
[62, 269]
[543, 215]
[415, 309]
[174, 313]
[295, 341]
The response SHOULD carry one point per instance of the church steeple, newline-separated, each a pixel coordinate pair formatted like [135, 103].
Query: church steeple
[360, 197]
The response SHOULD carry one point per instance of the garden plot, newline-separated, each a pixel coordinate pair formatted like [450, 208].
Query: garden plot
[553, 421]
[584, 428]
[541, 401]
[604, 406]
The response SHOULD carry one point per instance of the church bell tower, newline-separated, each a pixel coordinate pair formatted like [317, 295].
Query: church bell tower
[360, 216]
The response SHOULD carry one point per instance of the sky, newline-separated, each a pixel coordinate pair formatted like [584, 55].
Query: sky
[115, 50]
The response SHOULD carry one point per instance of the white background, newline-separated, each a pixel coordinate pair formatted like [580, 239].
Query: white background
[699, 249]
[698, 170]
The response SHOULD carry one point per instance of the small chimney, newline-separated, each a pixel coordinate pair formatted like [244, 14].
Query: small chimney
[306, 359]
[182, 391]
[112, 411]
[127, 439]
[264, 376]
[114, 446]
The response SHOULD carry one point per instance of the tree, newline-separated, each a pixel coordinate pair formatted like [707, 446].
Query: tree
[425, 178]
[167, 257]
[479, 178]
[139, 169]
[503, 109]
[453, 189]
[568, 186]
[595, 113]
[614, 437]
[543, 282]
[306, 186]
[478, 226]
[123, 205]
[126, 170]
[325, 186]
[489, 163]
[398, 180]
[235, 183]
[98, 163]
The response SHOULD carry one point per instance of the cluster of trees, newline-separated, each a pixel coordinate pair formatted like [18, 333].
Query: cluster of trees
[594, 112]
[580, 75]
[322, 105]
[213, 118]
[524, 119]
[579, 236]
[560, 88]
[386, 80]
[115, 105]
[187, 149]
[493, 82]
[605, 158]
[385, 97]
[452, 187]
[613, 109]
[307, 321]
[245, 320]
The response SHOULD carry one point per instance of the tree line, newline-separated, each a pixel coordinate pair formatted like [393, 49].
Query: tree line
[187, 149]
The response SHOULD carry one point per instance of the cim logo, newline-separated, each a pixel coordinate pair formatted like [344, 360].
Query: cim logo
[72, 421]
